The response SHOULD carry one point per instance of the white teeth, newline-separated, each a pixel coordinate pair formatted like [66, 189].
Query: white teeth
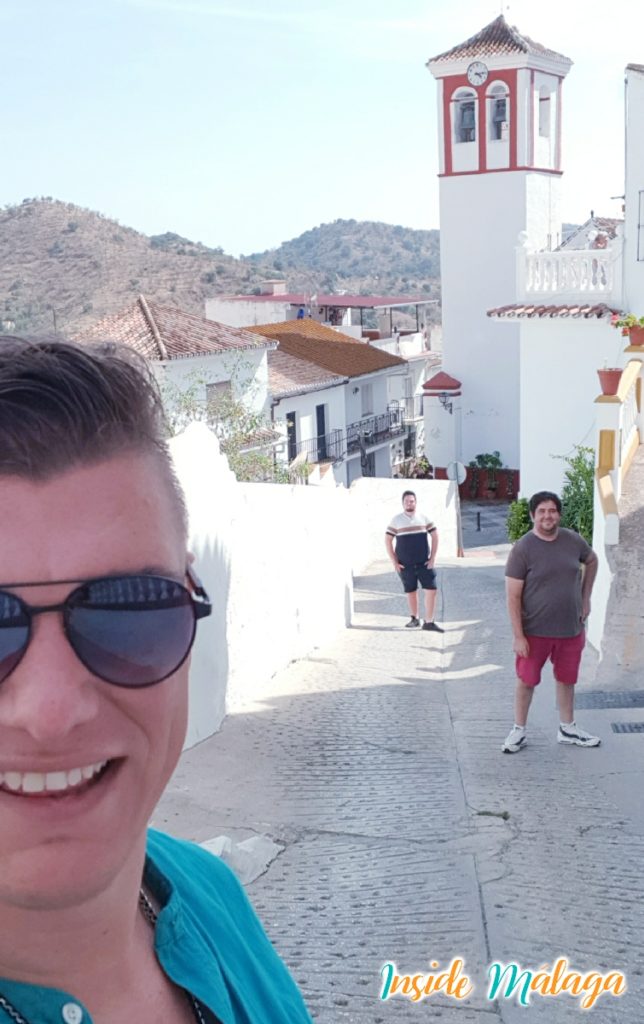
[13, 780]
[33, 782]
[53, 782]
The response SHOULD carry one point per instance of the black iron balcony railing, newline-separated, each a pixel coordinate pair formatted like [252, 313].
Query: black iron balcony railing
[373, 430]
[324, 448]
[370, 431]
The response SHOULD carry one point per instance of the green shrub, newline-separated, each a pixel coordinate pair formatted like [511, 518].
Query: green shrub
[518, 521]
[577, 496]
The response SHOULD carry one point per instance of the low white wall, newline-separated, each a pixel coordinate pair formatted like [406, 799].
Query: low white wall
[277, 562]
[210, 489]
[603, 580]
[374, 502]
[291, 584]
[559, 363]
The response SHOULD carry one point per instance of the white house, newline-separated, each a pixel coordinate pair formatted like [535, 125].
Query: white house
[563, 304]
[274, 304]
[190, 353]
[394, 332]
[343, 400]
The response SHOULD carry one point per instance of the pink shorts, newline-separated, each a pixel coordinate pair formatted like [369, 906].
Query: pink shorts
[563, 651]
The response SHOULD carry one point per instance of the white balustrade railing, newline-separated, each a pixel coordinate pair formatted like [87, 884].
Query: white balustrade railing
[629, 426]
[585, 272]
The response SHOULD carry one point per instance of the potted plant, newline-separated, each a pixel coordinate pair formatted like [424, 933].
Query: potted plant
[631, 326]
[609, 377]
[491, 462]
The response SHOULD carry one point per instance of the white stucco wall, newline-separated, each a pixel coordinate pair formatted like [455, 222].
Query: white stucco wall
[559, 363]
[441, 430]
[290, 583]
[210, 497]
[246, 369]
[374, 502]
[277, 562]
[603, 580]
[634, 215]
[246, 313]
[380, 385]
[481, 217]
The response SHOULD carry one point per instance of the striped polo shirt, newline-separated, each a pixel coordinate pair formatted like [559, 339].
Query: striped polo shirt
[412, 546]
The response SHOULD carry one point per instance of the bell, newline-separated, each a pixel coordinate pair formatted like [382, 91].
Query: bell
[467, 118]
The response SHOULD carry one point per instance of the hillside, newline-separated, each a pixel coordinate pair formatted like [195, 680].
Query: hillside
[363, 256]
[62, 266]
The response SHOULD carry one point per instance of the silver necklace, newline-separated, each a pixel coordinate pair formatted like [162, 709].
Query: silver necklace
[151, 916]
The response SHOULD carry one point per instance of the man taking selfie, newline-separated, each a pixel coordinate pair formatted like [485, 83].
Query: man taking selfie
[100, 919]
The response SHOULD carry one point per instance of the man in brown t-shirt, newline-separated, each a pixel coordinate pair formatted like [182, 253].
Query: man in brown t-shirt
[548, 604]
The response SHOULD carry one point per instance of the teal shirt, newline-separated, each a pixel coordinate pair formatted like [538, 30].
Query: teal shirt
[208, 941]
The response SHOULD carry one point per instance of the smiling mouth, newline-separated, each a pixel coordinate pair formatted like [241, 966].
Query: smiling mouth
[52, 784]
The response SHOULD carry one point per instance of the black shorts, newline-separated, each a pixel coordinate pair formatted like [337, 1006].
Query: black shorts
[412, 575]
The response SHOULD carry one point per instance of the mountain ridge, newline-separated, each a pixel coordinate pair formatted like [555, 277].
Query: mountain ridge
[63, 267]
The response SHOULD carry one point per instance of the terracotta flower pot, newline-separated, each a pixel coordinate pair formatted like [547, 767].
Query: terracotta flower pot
[609, 380]
[636, 336]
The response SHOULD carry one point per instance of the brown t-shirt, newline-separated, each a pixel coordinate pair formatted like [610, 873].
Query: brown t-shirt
[551, 571]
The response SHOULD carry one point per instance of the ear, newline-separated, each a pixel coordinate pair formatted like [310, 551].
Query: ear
[190, 558]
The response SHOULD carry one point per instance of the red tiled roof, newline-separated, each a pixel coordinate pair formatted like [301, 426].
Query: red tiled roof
[327, 348]
[337, 301]
[497, 38]
[289, 375]
[165, 332]
[307, 328]
[442, 382]
[519, 311]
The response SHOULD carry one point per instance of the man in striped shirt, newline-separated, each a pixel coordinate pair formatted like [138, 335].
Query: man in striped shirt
[407, 542]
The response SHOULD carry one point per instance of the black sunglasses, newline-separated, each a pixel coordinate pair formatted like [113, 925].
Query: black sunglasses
[127, 630]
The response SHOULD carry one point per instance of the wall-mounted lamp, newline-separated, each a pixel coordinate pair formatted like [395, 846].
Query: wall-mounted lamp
[355, 390]
[445, 402]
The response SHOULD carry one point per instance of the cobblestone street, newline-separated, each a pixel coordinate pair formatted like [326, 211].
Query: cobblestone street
[408, 836]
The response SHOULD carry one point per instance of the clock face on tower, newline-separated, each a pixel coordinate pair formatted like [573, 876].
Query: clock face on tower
[477, 73]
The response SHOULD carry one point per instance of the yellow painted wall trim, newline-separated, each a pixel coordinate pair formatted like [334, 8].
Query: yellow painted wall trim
[606, 459]
[629, 376]
[606, 493]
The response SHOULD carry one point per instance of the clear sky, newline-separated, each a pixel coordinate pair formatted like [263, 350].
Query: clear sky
[242, 123]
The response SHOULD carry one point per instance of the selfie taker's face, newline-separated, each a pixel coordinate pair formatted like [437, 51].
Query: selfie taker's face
[56, 717]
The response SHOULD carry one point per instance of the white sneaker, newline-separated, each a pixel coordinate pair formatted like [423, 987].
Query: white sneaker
[515, 740]
[573, 734]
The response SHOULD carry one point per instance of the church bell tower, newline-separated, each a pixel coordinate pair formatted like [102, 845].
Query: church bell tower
[500, 153]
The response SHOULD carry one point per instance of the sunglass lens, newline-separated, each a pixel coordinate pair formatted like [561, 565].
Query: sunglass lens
[132, 630]
[14, 633]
